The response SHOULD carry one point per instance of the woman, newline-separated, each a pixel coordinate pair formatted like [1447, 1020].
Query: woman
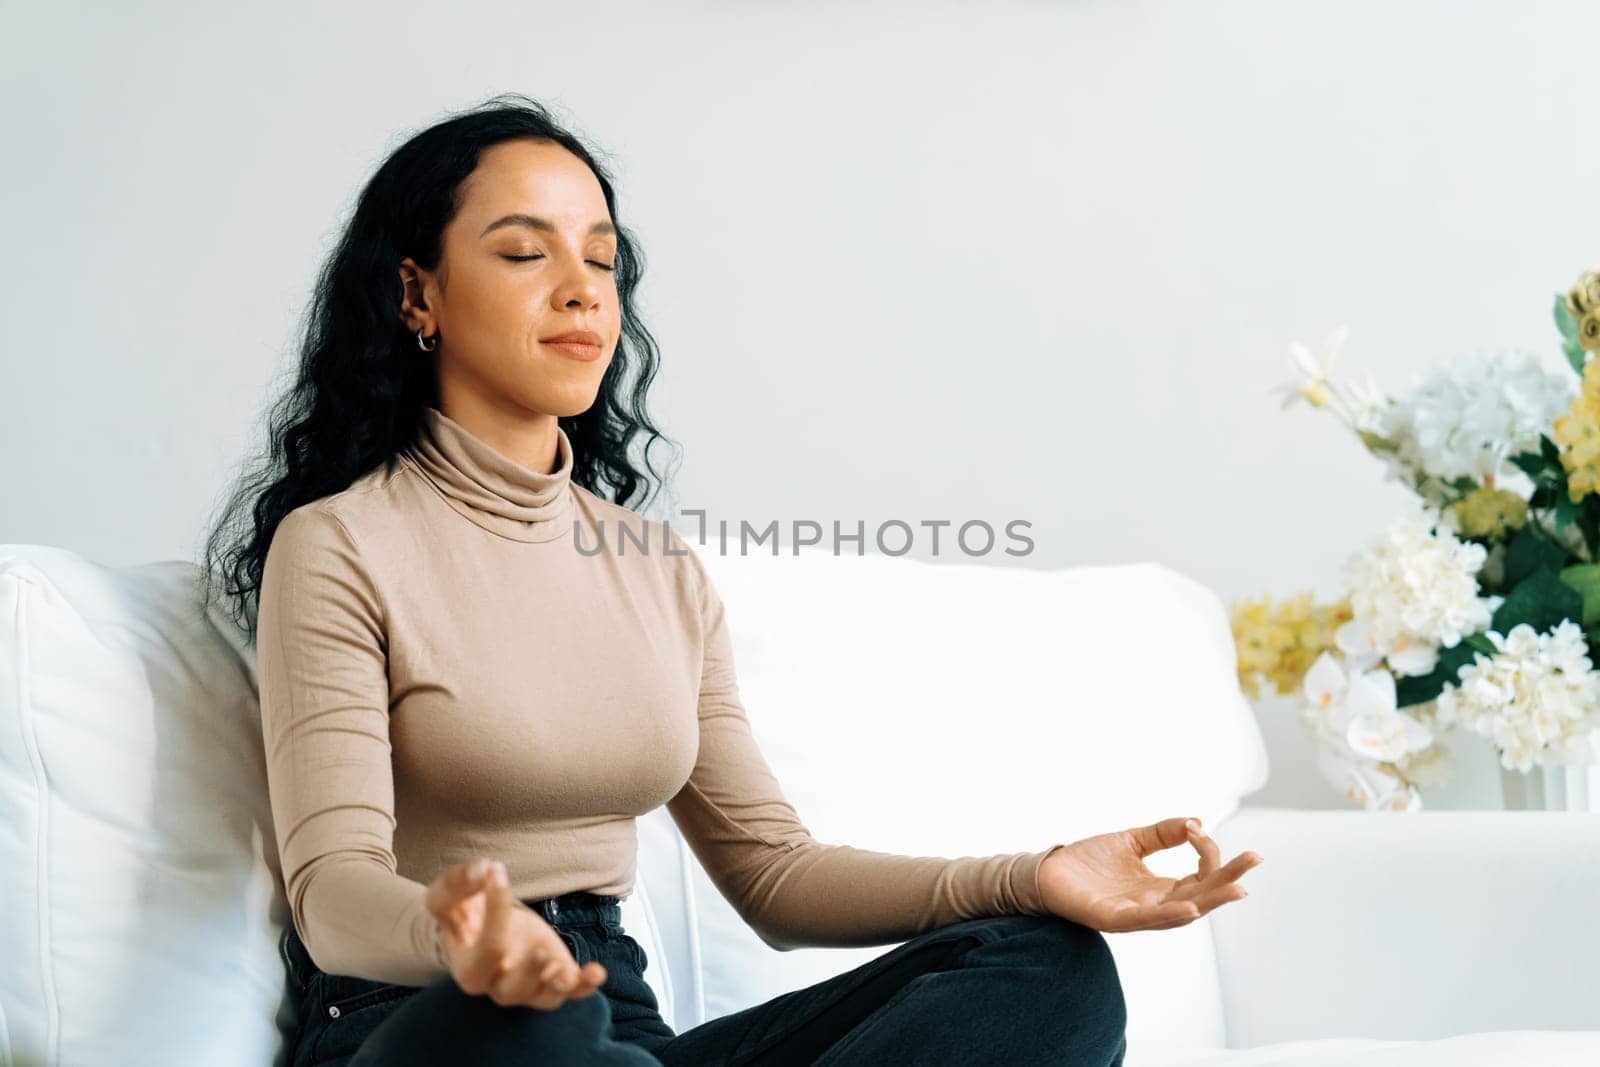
[465, 706]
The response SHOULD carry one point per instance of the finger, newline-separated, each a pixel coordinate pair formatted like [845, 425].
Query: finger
[563, 977]
[590, 978]
[1215, 898]
[550, 982]
[493, 956]
[580, 982]
[575, 982]
[531, 984]
[458, 921]
[527, 988]
[1210, 854]
[458, 883]
[1193, 888]
[1232, 870]
[584, 982]
[1168, 833]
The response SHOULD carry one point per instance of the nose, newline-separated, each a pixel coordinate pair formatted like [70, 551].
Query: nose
[579, 289]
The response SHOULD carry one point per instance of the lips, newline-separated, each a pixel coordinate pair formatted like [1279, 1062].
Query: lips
[581, 344]
[577, 337]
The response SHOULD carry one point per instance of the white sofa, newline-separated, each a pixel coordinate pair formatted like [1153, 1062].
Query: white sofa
[944, 708]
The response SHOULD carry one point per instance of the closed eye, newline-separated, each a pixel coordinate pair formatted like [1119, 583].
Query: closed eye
[524, 259]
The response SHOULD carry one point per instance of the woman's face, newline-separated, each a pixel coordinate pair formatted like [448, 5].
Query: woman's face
[527, 259]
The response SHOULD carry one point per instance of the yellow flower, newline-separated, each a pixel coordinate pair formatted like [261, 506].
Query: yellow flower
[1281, 644]
[1578, 434]
[1491, 513]
[1583, 304]
[1584, 295]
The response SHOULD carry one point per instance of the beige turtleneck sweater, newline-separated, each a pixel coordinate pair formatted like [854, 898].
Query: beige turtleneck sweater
[450, 669]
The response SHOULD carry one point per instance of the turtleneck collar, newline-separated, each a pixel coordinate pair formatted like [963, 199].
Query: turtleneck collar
[492, 489]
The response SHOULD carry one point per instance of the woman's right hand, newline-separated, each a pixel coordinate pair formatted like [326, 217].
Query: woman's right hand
[497, 945]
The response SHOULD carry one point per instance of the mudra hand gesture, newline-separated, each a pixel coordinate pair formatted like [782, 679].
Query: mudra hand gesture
[497, 945]
[1102, 882]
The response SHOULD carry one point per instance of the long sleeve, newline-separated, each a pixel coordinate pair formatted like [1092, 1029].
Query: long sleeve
[322, 661]
[793, 890]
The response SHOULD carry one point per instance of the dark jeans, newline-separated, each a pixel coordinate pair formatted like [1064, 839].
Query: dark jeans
[1012, 989]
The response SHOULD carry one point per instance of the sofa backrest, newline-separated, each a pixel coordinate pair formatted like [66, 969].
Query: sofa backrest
[939, 708]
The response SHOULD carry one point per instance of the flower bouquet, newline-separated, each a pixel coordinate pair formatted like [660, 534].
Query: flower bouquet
[1479, 608]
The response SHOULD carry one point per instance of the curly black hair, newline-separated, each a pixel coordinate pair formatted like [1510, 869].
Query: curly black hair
[360, 391]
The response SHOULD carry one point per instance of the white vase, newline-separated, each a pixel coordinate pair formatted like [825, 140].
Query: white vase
[1551, 789]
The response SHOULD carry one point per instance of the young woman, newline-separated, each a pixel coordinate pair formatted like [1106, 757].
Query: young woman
[465, 706]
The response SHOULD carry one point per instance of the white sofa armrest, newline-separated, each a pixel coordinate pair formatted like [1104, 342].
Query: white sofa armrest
[1410, 925]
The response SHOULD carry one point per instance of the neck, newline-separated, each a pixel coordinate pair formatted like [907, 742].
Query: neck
[525, 499]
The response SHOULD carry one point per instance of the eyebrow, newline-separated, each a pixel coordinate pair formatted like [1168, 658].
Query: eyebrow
[537, 223]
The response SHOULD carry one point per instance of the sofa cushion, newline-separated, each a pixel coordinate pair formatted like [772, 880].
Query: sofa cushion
[1546, 1048]
[136, 857]
[938, 708]
[1400, 925]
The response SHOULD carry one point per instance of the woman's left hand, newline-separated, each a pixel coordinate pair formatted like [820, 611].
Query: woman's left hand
[1102, 882]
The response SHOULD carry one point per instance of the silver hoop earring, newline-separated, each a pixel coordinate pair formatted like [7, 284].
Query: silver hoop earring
[425, 347]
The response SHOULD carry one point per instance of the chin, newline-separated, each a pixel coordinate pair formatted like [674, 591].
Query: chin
[564, 405]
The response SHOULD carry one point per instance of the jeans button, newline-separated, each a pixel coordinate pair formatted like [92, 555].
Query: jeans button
[555, 908]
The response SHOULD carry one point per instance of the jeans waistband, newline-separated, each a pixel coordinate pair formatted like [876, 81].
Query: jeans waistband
[579, 907]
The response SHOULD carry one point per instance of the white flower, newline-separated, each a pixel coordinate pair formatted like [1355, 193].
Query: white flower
[1535, 698]
[1311, 383]
[1360, 731]
[1377, 729]
[1366, 641]
[1386, 736]
[1325, 686]
[1413, 591]
[1428, 766]
[1368, 406]
[1403, 798]
[1366, 782]
[1472, 412]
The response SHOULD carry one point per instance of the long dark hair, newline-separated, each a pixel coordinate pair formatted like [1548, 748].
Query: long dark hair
[360, 391]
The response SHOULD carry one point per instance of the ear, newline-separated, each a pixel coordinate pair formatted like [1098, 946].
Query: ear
[413, 303]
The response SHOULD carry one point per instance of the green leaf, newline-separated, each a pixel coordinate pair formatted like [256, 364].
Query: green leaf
[1530, 463]
[1526, 553]
[1575, 355]
[1376, 442]
[1552, 455]
[1481, 643]
[1565, 511]
[1585, 578]
[1564, 320]
[1541, 601]
[1421, 688]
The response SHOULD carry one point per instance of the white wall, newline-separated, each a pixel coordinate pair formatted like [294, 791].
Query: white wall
[915, 261]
